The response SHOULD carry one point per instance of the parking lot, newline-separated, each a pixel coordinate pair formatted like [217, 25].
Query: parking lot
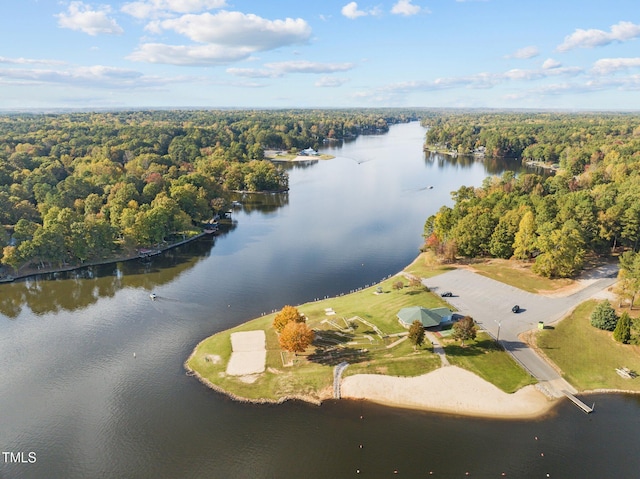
[489, 303]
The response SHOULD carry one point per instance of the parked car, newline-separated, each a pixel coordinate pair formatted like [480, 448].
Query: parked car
[447, 294]
[515, 309]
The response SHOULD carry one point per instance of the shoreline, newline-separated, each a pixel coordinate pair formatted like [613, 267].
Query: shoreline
[99, 262]
[447, 390]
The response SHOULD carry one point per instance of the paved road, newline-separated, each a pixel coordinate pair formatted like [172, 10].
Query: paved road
[489, 302]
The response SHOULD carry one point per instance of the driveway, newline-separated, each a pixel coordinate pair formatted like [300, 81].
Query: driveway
[489, 303]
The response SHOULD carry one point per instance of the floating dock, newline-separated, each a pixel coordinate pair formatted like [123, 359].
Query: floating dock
[579, 403]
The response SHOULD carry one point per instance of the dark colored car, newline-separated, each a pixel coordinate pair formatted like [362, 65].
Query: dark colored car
[447, 294]
[516, 309]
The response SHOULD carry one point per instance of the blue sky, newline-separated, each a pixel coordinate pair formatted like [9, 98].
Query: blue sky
[561, 54]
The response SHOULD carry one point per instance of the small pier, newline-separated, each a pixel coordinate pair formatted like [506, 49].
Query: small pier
[579, 403]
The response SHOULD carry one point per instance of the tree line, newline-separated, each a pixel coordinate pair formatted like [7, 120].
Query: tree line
[78, 187]
[573, 141]
[591, 206]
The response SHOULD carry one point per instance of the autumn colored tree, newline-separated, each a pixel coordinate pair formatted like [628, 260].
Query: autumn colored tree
[416, 334]
[288, 314]
[296, 337]
[465, 329]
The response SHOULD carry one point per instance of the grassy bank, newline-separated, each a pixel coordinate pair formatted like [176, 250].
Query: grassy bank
[589, 356]
[483, 357]
[360, 328]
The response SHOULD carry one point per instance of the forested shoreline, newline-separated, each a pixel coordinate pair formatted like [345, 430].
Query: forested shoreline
[86, 187]
[590, 207]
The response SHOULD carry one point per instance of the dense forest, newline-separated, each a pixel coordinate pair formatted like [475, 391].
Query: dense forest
[574, 141]
[85, 186]
[591, 206]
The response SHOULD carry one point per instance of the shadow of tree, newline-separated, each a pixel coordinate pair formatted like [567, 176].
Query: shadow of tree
[334, 356]
[474, 348]
[331, 338]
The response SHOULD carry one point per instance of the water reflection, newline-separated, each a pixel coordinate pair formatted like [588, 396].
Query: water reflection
[261, 203]
[492, 165]
[78, 289]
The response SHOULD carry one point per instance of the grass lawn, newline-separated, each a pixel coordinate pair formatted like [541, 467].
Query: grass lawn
[589, 356]
[519, 275]
[426, 266]
[484, 358]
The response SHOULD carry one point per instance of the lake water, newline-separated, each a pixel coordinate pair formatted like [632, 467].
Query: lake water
[72, 392]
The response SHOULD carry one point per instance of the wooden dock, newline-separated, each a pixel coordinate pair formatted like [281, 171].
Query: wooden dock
[579, 403]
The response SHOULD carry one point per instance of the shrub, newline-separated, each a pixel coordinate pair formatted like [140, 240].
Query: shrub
[398, 285]
[604, 316]
[622, 333]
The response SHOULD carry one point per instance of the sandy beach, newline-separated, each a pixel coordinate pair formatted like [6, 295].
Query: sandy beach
[449, 389]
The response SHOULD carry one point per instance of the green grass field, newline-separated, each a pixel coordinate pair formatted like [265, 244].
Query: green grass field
[484, 358]
[519, 275]
[589, 356]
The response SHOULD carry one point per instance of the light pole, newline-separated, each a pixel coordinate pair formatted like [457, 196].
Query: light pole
[499, 323]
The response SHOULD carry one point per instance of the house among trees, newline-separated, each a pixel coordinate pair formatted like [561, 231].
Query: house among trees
[309, 152]
[430, 318]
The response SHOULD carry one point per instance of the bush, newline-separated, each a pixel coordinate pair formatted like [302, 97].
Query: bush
[604, 316]
[398, 285]
[622, 333]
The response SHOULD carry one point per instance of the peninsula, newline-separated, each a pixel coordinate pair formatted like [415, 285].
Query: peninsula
[361, 329]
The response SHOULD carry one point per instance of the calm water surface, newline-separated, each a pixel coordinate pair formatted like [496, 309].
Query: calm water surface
[72, 391]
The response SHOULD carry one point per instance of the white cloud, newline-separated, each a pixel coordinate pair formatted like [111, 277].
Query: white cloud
[29, 61]
[153, 8]
[550, 63]
[482, 80]
[96, 76]
[252, 72]
[224, 37]
[240, 29]
[278, 69]
[189, 55]
[406, 8]
[302, 66]
[350, 10]
[524, 53]
[92, 22]
[620, 32]
[605, 66]
[330, 82]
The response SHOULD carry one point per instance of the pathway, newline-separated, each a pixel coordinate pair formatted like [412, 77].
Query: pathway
[437, 348]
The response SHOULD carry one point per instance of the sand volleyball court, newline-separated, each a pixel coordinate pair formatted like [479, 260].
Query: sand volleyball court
[249, 353]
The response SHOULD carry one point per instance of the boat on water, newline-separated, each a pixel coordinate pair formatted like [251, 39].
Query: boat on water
[153, 296]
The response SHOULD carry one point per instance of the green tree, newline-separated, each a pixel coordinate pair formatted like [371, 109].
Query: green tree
[465, 329]
[503, 237]
[416, 334]
[296, 337]
[525, 239]
[562, 252]
[287, 315]
[629, 276]
[622, 333]
[604, 316]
